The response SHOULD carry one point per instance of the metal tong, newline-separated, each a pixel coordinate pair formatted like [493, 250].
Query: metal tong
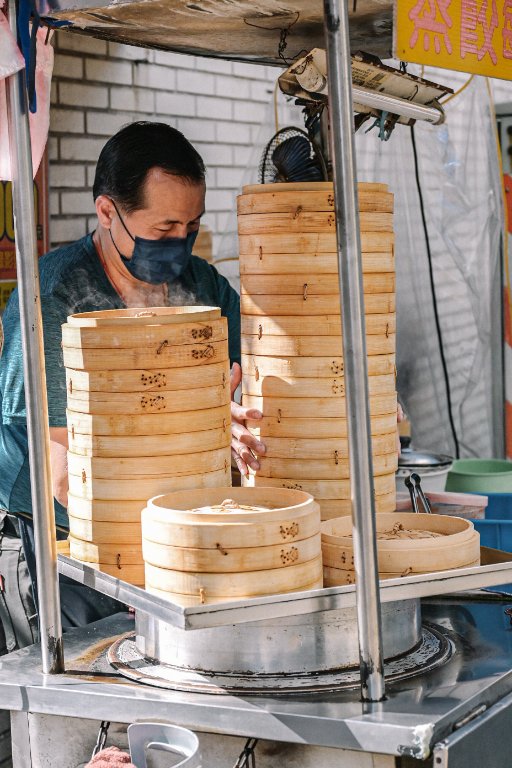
[413, 483]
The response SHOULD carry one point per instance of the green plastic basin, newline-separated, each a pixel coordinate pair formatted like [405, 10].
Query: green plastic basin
[480, 476]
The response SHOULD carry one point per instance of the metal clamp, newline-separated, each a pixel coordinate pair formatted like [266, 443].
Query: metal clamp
[247, 758]
[413, 483]
[102, 738]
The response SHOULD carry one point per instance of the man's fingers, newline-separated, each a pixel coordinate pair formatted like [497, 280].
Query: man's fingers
[239, 413]
[235, 377]
[245, 453]
[240, 463]
[240, 433]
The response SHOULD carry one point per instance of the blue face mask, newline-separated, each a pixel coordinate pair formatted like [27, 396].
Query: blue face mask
[157, 261]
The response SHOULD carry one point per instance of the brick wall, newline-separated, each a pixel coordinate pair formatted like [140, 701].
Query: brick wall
[98, 87]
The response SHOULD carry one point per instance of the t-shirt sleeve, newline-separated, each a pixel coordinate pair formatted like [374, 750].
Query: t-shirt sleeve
[54, 314]
[230, 308]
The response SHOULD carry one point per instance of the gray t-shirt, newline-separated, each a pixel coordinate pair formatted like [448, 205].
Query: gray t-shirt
[73, 280]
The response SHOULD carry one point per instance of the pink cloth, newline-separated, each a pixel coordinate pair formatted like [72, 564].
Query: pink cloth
[112, 757]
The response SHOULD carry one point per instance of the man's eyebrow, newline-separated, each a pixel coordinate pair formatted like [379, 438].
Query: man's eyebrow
[176, 221]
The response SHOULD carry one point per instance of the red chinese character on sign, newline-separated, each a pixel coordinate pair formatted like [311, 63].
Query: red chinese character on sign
[475, 21]
[507, 29]
[432, 19]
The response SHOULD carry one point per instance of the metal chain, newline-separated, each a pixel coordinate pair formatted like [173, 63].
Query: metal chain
[247, 758]
[102, 738]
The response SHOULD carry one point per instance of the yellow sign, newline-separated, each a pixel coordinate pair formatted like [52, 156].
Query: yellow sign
[6, 288]
[469, 35]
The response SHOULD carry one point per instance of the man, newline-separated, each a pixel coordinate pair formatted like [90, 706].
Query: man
[149, 193]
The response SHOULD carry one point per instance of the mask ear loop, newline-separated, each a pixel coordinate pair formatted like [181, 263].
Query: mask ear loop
[124, 225]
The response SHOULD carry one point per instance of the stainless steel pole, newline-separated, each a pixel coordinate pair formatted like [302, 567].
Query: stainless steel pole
[354, 348]
[34, 369]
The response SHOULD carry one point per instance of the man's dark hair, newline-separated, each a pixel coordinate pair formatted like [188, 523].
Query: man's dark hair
[127, 157]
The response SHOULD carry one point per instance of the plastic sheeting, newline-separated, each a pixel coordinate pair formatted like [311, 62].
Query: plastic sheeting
[460, 180]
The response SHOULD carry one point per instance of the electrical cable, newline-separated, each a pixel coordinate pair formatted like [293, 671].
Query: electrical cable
[461, 89]
[434, 298]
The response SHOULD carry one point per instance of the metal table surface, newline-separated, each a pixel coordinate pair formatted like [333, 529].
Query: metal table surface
[417, 713]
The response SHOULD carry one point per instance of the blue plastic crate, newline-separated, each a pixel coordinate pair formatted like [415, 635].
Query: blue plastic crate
[499, 507]
[497, 533]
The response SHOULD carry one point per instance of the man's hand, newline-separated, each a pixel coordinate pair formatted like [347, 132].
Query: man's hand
[59, 462]
[244, 447]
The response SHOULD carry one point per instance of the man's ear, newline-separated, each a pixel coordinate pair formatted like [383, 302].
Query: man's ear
[105, 210]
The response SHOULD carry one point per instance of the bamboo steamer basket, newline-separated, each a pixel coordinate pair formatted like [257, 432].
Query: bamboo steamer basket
[145, 336]
[148, 466]
[151, 423]
[97, 510]
[182, 519]
[206, 599]
[98, 403]
[296, 407]
[312, 367]
[458, 546]
[317, 428]
[317, 242]
[300, 222]
[161, 380]
[326, 448]
[236, 560]
[311, 346]
[107, 553]
[311, 263]
[321, 325]
[103, 532]
[331, 508]
[320, 489]
[319, 196]
[311, 285]
[237, 585]
[148, 445]
[332, 468]
[322, 304]
[143, 316]
[274, 386]
[143, 487]
[160, 356]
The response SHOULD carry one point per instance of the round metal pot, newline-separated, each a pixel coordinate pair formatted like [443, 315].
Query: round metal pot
[318, 642]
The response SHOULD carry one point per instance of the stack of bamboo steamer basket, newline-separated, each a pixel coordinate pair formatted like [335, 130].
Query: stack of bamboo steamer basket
[407, 544]
[292, 358]
[219, 544]
[148, 398]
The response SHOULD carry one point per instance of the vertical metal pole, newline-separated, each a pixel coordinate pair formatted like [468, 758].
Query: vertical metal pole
[34, 368]
[354, 348]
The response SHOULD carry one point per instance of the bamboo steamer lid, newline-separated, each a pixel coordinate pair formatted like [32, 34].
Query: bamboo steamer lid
[244, 584]
[331, 508]
[127, 511]
[143, 487]
[148, 466]
[300, 221]
[259, 304]
[160, 356]
[321, 469]
[151, 423]
[320, 489]
[311, 346]
[236, 560]
[296, 407]
[105, 532]
[444, 556]
[204, 599]
[97, 403]
[275, 386]
[319, 196]
[105, 553]
[143, 316]
[156, 380]
[317, 428]
[132, 336]
[311, 263]
[312, 367]
[318, 325]
[148, 445]
[322, 242]
[311, 284]
[324, 448]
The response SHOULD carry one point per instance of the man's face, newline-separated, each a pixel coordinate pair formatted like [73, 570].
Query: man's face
[172, 208]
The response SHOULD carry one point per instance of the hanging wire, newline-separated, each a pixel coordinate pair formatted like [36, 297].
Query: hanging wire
[434, 298]
[461, 90]
[276, 107]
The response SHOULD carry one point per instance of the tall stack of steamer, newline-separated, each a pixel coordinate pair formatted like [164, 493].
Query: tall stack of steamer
[292, 357]
[148, 413]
